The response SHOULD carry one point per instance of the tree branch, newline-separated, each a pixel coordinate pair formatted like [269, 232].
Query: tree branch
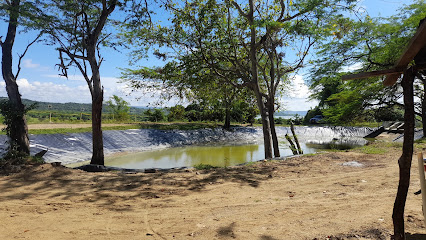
[25, 52]
[239, 9]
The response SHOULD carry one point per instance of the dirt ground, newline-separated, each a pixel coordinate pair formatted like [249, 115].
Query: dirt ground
[308, 197]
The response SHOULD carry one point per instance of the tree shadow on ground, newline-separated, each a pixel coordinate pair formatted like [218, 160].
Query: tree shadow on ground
[415, 236]
[265, 237]
[60, 183]
[227, 231]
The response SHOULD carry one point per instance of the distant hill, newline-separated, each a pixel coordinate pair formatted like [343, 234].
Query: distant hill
[291, 113]
[70, 107]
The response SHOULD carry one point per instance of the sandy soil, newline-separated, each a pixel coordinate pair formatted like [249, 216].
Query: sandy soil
[308, 197]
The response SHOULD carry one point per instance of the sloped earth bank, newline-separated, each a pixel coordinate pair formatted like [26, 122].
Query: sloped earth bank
[341, 195]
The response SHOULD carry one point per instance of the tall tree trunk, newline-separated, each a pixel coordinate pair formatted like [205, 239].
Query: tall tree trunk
[266, 127]
[404, 161]
[424, 107]
[97, 100]
[97, 137]
[18, 128]
[271, 110]
[227, 125]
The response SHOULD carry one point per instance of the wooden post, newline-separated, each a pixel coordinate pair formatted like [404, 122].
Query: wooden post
[422, 183]
[292, 146]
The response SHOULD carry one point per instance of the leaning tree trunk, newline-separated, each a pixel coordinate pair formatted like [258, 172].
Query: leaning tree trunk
[18, 128]
[271, 110]
[406, 157]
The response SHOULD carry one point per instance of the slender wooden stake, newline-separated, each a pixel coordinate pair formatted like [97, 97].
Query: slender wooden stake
[292, 146]
[295, 138]
[422, 183]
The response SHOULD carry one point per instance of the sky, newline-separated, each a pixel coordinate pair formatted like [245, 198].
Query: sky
[39, 78]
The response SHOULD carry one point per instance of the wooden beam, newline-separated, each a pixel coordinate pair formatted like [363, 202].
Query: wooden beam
[391, 71]
[417, 42]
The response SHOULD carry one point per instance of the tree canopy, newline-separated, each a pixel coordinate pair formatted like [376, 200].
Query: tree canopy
[361, 45]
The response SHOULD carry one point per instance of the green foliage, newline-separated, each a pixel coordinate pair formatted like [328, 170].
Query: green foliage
[310, 114]
[388, 114]
[119, 108]
[10, 116]
[370, 44]
[218, 50]
[176, 113]
[156, 115]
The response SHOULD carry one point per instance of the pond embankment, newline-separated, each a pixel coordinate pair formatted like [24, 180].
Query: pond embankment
[76, 147]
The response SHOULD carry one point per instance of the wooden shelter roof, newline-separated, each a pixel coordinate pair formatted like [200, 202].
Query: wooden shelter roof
[417, 42]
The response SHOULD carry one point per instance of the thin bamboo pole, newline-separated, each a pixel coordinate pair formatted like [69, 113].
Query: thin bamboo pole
[422, 182]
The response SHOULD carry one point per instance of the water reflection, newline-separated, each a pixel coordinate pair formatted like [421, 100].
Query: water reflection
[188, 156]
[220, 156]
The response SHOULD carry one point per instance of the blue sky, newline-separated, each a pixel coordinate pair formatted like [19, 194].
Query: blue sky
[39, 79]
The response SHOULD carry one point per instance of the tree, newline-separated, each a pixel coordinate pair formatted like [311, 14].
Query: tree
[155, 116]
[242, 46]
[119, 108]
[176, 113]
[369, 44]
[410, 71]
[77, 30]
[16, 12]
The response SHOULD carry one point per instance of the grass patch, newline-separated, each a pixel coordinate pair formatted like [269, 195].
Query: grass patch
[378, 147]
[371, 150]
[203, 166]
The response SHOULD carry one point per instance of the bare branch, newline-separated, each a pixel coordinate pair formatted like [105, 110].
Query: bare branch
[239, 9]
[282, 10]
[25, 52]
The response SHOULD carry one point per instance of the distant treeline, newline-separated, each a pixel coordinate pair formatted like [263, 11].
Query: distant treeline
[70, 107]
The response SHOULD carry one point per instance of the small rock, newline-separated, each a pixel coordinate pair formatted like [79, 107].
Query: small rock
[56, 164]
[352, 164]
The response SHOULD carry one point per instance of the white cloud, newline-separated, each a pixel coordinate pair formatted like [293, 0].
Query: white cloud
[296, 95]
[50, 92]
[298, 88]
[63, 91]
[298, 104]
[28, 63]
[352, 67]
